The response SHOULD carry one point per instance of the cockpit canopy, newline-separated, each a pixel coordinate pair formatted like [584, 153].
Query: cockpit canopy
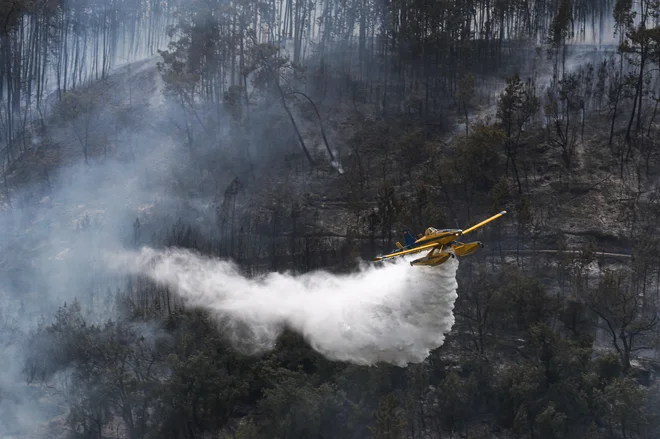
[431, 231]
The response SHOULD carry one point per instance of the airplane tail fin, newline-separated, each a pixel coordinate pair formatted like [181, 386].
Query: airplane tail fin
[408, 237]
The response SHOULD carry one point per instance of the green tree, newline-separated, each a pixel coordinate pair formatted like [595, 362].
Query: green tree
[389, 422]
[561, 30]
[455, 402]
[630, 320]
[516, 106]
[464, 96]
[562, 109]
[621, 405]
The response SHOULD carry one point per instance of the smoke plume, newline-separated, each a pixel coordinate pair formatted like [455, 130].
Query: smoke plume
[393, 313]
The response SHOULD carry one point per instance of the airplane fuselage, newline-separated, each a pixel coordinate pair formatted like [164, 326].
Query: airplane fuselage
[444, 237]
[432, 235]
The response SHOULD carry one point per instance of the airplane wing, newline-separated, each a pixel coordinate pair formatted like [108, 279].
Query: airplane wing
[406, 252]
[483, 223]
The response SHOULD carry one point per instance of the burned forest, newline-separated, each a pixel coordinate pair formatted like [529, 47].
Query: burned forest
[192, 194]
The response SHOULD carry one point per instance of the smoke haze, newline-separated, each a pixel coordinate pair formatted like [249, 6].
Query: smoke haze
[394, 313]
[153, 174]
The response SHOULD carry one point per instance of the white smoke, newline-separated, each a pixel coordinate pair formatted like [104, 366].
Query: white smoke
[394, 313]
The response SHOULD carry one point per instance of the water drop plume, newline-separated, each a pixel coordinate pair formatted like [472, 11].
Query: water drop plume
[392, 313]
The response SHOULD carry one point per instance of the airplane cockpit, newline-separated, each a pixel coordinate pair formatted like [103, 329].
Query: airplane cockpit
[430, 231]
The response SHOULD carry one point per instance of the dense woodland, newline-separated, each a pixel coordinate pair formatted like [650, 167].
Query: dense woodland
[316, 131]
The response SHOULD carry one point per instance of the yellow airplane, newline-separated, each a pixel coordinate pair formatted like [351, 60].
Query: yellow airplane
[443, 244]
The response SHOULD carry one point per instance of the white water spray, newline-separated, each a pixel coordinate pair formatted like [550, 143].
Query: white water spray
[394, 313]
